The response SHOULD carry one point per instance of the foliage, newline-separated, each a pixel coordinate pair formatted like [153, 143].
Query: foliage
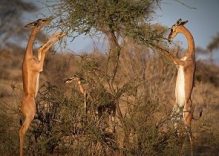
[115, 19]
[103, 16]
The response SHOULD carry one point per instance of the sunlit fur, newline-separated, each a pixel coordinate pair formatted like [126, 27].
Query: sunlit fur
[31, 69]
[185, 77]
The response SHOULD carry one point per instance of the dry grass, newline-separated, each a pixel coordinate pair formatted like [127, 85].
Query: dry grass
[143, 87]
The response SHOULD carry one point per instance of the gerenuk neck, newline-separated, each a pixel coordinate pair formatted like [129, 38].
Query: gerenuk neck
[190, 41]
[29, 49]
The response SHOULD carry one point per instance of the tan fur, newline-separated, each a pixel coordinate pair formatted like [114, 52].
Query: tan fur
[185, 76]
[187, 64]
[31, 69]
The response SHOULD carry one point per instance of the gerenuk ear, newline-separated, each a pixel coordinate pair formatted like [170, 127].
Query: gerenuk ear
[30, 25]
[184, 22]
[178, 21]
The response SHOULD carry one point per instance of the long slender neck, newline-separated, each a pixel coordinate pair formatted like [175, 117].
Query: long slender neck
[190, 40]
[29, 49]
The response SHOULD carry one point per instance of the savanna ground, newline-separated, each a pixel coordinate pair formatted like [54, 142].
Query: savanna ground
[144, 90]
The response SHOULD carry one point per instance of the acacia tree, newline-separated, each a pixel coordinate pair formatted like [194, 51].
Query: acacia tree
[116, 19]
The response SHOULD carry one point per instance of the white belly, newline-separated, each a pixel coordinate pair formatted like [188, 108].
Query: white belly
[180, 87]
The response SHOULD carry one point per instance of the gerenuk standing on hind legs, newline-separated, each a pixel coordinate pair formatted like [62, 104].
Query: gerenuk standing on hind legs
[31, 68]
[185, 78]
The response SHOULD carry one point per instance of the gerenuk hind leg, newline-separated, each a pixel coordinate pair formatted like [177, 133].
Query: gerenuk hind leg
[187, 118]
[28, 109]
